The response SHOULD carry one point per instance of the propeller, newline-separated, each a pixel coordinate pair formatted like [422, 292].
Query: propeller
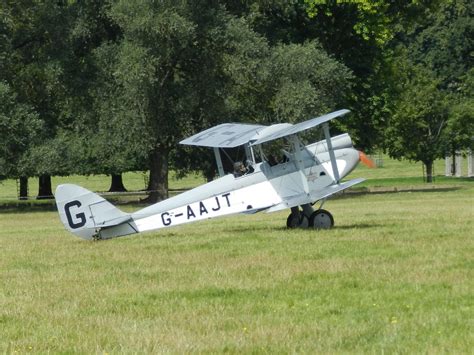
[364, 159]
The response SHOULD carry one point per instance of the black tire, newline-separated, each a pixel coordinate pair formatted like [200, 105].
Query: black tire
[295, 221]
[321, 219]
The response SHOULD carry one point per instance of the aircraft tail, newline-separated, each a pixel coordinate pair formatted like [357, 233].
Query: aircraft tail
[85, 213]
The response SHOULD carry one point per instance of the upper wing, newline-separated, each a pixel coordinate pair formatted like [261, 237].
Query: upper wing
[226, 135]
[230, 135]
[289, 130]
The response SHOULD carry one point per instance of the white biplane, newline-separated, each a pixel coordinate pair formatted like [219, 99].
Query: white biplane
[304, 176]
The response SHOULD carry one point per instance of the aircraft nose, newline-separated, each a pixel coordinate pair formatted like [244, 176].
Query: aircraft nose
[351, 157]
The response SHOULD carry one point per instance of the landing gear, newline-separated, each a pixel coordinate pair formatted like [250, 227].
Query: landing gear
[321, 219]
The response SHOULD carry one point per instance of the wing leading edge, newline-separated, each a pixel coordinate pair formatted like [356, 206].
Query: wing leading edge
[299, 127]
[226, 135]
[231, 135]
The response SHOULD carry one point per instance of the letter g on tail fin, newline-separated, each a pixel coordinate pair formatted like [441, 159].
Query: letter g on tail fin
[85, 213]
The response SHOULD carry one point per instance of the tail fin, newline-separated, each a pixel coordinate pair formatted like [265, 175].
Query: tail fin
[85, 213]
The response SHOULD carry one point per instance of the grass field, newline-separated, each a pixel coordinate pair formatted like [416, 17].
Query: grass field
[395, 275]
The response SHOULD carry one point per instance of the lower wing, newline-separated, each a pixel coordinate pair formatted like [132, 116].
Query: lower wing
[314, 196]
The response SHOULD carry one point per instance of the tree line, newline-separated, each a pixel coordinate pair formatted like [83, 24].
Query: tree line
[106, 87]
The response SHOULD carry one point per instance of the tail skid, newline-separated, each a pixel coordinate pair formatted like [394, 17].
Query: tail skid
[85, 213]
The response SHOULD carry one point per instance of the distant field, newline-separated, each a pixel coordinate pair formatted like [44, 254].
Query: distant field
[393, 173]
[395, 275]
[133, 181]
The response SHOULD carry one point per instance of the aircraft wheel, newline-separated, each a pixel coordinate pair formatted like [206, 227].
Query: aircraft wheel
[321, 219]
[297, 221]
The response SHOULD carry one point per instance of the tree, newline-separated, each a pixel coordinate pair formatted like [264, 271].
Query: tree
[432, 109]
[18, 127]
[421, 115]
[155, 61]
[444, 45]
[37, 53]
[101, 146]
[51, 69]
[362, 35]
[459, 132]
[268, 84]
[19, 122]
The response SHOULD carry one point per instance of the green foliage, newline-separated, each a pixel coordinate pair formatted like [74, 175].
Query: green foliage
[19, 125]
[36, 71]
[421, 114]
[306, 82]
[459, 130]
[372, 17]
[433, 102]
[117, 84]
[444, 43]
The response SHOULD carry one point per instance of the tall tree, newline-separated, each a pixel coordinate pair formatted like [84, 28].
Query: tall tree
[361, 34]
[156, 60]
[459, 132]
[18, 127]
[421, 114]
[444, 44]
[38, 48]
[432, 101]
[267, 83]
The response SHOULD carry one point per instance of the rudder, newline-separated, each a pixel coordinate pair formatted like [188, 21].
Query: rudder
[84, 213]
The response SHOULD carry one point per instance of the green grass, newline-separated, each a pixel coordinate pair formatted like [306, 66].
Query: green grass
[402, 173]
[395, 275]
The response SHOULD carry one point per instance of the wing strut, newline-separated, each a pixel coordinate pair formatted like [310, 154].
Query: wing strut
[220, 168]
[299, 162]
[331, 152]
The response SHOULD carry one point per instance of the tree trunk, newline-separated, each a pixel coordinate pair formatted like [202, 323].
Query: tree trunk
[45, 191]
[429, 171]
[453, 166]
[158, 182]
[23, 188]
[116, 184]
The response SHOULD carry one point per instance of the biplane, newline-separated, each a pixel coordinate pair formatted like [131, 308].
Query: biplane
[291, 176]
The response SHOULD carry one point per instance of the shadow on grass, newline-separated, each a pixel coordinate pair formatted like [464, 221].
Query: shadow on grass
[283, 228]
[359, 226]
[8, 209]
[392, 190]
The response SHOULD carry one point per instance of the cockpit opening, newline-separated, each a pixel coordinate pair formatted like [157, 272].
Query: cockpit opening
[275, 152]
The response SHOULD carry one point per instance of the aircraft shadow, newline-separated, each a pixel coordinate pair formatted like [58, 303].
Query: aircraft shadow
[296, 230]
[358, 226]
[349, 194]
